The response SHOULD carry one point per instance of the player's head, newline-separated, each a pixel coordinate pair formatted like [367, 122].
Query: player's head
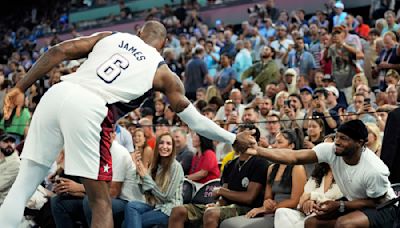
[154, 34]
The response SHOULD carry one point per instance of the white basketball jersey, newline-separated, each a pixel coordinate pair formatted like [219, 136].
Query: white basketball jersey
[120, 68]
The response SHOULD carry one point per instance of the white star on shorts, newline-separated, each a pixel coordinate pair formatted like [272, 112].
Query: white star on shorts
[106, 168]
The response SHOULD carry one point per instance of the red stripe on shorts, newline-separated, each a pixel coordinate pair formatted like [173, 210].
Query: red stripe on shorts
[105, 169]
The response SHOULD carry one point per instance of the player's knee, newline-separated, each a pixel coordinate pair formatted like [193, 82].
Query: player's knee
[211, 216]
[178, 214]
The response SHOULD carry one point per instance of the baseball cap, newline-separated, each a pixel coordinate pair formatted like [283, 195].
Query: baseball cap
[339, 29]
[328, 77]
[7, 137]
[333, 90]
[339, 5]
[306, 88]
[321, 90]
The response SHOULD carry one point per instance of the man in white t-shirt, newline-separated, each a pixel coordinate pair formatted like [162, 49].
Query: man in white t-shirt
[361, 176]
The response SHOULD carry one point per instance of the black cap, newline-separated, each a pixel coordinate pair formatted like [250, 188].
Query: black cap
[328, 77]
[354, 129]
[7, 137]
[321, 90]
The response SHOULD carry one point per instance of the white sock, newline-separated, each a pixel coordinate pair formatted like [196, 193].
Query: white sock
[30, 175]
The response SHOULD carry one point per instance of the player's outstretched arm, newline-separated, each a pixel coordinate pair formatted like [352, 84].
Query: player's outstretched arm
[167, 82]
[67, 50]
[70, 49]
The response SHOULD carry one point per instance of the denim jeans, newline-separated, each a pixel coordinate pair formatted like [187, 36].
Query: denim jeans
[67, 211]
[118, 209]
[138, 214]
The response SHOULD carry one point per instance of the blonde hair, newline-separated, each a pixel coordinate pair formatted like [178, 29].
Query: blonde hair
[212, 91]
[353, 86]
[281, 93]
[376, 146]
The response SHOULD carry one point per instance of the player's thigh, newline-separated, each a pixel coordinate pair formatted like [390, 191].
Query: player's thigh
[86, 128]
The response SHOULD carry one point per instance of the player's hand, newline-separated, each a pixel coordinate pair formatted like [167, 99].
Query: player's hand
[244, 140]
[254, 212]
[14, 99]
[327, 207]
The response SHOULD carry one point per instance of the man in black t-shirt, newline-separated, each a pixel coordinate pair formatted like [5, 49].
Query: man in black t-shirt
[243, 183]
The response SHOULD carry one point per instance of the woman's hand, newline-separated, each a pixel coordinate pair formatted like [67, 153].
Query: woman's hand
[269, 205]
[309, 207]
[254, 212]
[140, 168]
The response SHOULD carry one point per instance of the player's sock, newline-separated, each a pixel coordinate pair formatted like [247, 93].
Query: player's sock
[30, 175]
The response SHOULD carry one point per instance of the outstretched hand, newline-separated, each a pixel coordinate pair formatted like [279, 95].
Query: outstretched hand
[244, 140]
[14, 99]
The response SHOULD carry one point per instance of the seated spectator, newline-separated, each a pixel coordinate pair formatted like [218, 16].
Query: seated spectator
[159, 107]
[319, 188]
[273, 126]
[162, 186]
[124, 138]
[9, 164]
[284, 187]
[146, 153]
[315, 133]
[170, 116]
[392, 77]
[374, 138]
[161, 126]
[15, 126]
[392, 94]
[320, 109]
[242, 188]
[67, 204]
[183, 154]
[204, 166]
[294, 112]
[147, 127]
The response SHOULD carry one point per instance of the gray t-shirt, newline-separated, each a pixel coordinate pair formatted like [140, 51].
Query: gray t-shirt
[368, 179]
[342, 66]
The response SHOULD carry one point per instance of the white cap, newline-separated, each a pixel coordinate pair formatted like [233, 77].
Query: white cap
[333, 90]
[291, 71]
[339, 5]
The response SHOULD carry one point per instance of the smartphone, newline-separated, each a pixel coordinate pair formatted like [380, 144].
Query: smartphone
[367, 101]
[287, 103]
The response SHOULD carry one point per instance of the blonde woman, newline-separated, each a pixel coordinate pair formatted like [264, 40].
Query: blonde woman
[374, 138]
[162, 187]
[280, 101]
[358, 79]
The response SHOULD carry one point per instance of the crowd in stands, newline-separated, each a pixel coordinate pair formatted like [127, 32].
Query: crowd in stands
[294, 80]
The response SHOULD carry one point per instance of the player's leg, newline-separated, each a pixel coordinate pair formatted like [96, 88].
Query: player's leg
[99, 201]
[30, 175]
[42, 145]
[87, 127]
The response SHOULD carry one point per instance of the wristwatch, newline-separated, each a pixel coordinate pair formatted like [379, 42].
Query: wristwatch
[341, 206]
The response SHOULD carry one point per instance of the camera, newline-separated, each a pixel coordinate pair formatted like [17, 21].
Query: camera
[258, 9]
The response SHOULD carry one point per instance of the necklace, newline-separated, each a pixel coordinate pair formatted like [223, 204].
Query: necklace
[241, 165]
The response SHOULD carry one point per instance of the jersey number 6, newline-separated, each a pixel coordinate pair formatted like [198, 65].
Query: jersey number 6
[112, 68]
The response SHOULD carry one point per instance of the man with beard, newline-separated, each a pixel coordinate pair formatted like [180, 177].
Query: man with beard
[9, 165]
[361, 176]
[265, 71]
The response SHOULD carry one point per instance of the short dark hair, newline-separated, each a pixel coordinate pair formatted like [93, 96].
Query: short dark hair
[250, 126]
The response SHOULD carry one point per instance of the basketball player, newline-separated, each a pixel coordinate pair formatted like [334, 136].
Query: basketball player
[76, 113]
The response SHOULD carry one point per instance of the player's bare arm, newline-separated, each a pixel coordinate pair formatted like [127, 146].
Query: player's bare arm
[67, 50]
[282, 156]
[167, 82]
